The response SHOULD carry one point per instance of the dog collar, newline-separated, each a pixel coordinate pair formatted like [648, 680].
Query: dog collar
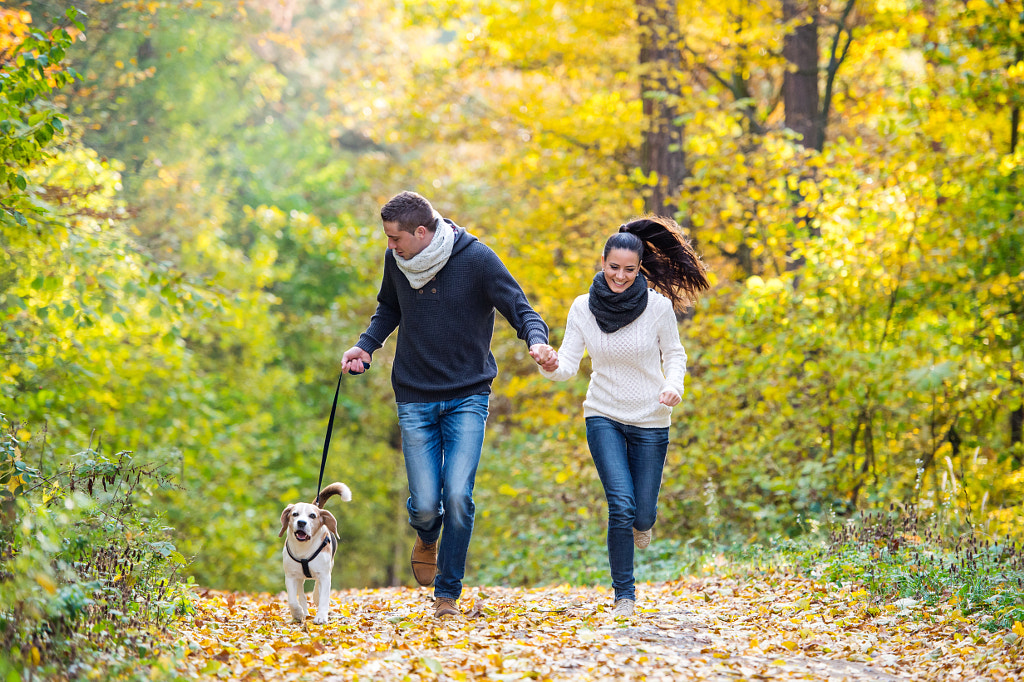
[329, 540]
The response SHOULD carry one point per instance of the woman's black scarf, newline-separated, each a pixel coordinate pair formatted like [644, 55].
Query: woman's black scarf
[614, 311]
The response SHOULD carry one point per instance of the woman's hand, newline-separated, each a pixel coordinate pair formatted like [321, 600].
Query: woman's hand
[669, 397]
[545, 356]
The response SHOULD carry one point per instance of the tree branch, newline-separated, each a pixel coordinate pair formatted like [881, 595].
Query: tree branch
[834, 63]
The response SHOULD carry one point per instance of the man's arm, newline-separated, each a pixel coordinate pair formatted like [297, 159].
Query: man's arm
[384, 321]
[508, 298]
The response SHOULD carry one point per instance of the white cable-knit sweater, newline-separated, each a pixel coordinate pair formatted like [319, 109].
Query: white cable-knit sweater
[627, 377]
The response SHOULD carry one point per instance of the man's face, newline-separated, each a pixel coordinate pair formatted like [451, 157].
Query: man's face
[404, 244]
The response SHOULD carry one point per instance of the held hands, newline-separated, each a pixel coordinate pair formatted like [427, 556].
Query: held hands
[353, 360]
[545, 356]
[669, 397]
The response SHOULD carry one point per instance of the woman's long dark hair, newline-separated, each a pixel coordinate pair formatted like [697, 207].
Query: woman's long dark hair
[667, 258]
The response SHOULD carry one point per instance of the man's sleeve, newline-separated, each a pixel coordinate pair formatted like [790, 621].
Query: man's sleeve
[508, 298]
[387, 316]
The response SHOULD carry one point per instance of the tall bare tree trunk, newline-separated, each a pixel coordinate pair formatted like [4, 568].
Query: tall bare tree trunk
[660, 61]
[1016, 433]
[398, 492]
[1017, 415]
[800, 83]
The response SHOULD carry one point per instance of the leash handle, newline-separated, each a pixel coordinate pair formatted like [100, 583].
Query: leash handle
[330, 429]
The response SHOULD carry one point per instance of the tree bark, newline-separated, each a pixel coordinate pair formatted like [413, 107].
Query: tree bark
[800, 83]
[1017, 415]
[1016, 433]
[396, 572]
[660, 60]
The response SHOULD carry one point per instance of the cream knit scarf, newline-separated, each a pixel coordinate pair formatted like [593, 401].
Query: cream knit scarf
[424, 265]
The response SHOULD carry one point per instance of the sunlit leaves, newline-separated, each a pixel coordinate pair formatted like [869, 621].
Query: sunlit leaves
[30, 70]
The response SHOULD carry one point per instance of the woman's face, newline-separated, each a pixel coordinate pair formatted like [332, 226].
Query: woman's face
[620, 267]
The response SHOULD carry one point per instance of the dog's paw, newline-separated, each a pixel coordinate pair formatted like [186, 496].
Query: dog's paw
[320, 620]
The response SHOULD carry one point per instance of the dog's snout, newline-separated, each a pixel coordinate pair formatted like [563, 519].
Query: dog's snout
[301, 523]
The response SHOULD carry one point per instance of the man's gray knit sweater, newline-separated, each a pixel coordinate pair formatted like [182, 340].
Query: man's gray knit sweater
[445, 327]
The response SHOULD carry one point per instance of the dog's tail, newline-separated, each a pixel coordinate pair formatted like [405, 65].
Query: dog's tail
[339, 489]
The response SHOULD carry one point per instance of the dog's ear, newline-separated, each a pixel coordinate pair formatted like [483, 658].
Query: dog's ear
[284, 519]
[327, 518]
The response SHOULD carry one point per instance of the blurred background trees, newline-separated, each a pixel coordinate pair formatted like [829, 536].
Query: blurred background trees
[191, 233]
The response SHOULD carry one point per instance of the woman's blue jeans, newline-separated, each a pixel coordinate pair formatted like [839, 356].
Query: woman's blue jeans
[630, 461]
[442, 443]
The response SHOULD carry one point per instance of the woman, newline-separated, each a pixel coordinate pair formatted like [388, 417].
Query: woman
[632, 337]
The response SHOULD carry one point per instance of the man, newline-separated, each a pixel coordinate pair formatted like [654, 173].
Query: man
[440, 288]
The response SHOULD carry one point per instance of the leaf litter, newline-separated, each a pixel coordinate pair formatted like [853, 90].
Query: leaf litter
[769, 627]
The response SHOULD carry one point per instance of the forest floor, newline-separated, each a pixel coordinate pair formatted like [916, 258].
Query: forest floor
[770, 627]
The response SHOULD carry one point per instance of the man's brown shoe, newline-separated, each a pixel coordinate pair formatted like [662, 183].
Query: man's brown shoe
[443, 606]
[642, 538]
[424, 562]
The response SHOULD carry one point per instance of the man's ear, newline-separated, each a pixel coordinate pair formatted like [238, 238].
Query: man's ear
[284, 519]
[327, 518]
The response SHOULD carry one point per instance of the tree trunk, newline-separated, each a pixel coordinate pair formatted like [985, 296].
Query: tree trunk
[400, 549]
[800, 83]
[398, 492]
[660, 60]
[1016, 433]
[1017, 415]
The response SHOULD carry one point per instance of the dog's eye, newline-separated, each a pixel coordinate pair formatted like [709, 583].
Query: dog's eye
[295, 513]
[312, 516]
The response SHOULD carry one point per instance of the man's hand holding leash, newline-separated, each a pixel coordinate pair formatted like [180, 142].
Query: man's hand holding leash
[355, 361]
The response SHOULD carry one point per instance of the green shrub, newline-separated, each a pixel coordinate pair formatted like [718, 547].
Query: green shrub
[902, 554]
[89, 577]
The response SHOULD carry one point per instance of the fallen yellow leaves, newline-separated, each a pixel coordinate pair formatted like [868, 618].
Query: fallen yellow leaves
[766, 628]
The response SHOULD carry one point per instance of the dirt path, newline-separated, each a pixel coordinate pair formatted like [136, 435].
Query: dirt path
[771, 628]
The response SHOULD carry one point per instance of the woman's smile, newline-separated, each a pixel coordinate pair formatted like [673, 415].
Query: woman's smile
[620, 268]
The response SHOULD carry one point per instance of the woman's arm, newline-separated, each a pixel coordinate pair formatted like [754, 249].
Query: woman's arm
[571, 351]
[673, 355]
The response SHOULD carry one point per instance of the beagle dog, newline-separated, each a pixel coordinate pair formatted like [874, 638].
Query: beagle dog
[309, 552]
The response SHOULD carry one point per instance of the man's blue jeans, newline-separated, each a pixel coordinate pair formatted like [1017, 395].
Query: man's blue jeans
[630, 461]
[442, 443]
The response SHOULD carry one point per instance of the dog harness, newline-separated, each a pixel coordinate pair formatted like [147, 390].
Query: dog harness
[329, 540]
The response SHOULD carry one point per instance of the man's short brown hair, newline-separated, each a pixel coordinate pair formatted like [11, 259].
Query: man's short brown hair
[409, 210]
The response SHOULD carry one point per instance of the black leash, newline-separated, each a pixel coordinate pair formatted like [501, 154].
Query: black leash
[330, 428]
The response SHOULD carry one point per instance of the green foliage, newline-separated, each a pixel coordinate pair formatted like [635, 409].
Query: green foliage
[205, 335]
[30, 69]
[90, 576]
[924, 559]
